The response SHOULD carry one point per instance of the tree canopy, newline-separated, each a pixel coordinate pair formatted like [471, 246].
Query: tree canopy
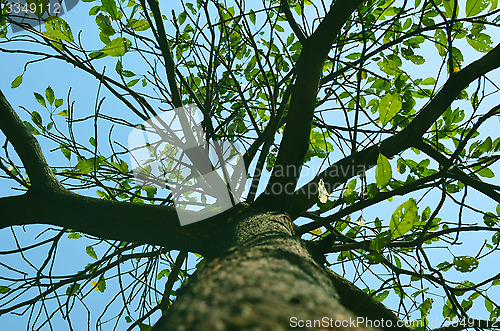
[370, 124]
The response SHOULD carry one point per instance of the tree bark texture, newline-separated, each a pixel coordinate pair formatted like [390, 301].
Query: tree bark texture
[262, 278]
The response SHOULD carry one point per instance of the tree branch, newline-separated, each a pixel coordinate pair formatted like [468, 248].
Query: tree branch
[348, 167]
[132, 222]
[28, 149]
[309, 67]
[285, 8]
[166, 52]
[48, 202]
[457, 173]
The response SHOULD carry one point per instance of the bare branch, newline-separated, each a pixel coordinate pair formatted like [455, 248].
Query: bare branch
[152, 224]
[285, 7]
[166, 52]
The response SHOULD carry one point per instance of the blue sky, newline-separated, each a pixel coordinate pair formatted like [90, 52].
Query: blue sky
[61, 76]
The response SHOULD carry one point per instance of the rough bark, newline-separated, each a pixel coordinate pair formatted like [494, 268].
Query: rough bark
[262, 277]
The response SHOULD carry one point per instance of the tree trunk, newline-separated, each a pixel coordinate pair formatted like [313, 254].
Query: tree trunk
[262, 278]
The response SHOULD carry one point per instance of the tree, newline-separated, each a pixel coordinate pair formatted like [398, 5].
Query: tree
[310, 84]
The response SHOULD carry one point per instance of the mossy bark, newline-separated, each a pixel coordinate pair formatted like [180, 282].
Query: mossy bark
[263, 278]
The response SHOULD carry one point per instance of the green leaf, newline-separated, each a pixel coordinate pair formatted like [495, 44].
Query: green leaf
[429, 81]
[145, 327]
[252, 16]
[92, 141]
[58, 29]
[382, 295]
[486, 172]
[481, 42]
[88, 165]
[353, 56]
[66, 152]
[4, 289]
[109, 6]
[403, 218]
[488, 304]
[390, 67]
[496, 238]
[119, 67]
[490, 219]
[441, 42]
[316, 231]
[40, 99]
[17, 81]
[49, 94]
[389, 106]
[444, 266]
[101, 286]
[417, 59]
[182, 18]
[465, 263]
[466, 304]
[374, 257]
[371, 190]
[401, 166]
[58, 103]
[36, 118]
[448, 311]
[494, 5]
[13, 170]
[127, 73]
[448, 6]
[73, 289]
[426, 306]
[140, 25]
[91, 252]
[383, 171]
[64, 113]
[381, 240]
[105, 39]
[104, 24]
[464, 284]
[123, 167]
[117, 47]
[474, 7]
[163, 273]
[94, 10]
[452, 188]
[133, 82]
[74, 235]
[97, 55]
[498, 209]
